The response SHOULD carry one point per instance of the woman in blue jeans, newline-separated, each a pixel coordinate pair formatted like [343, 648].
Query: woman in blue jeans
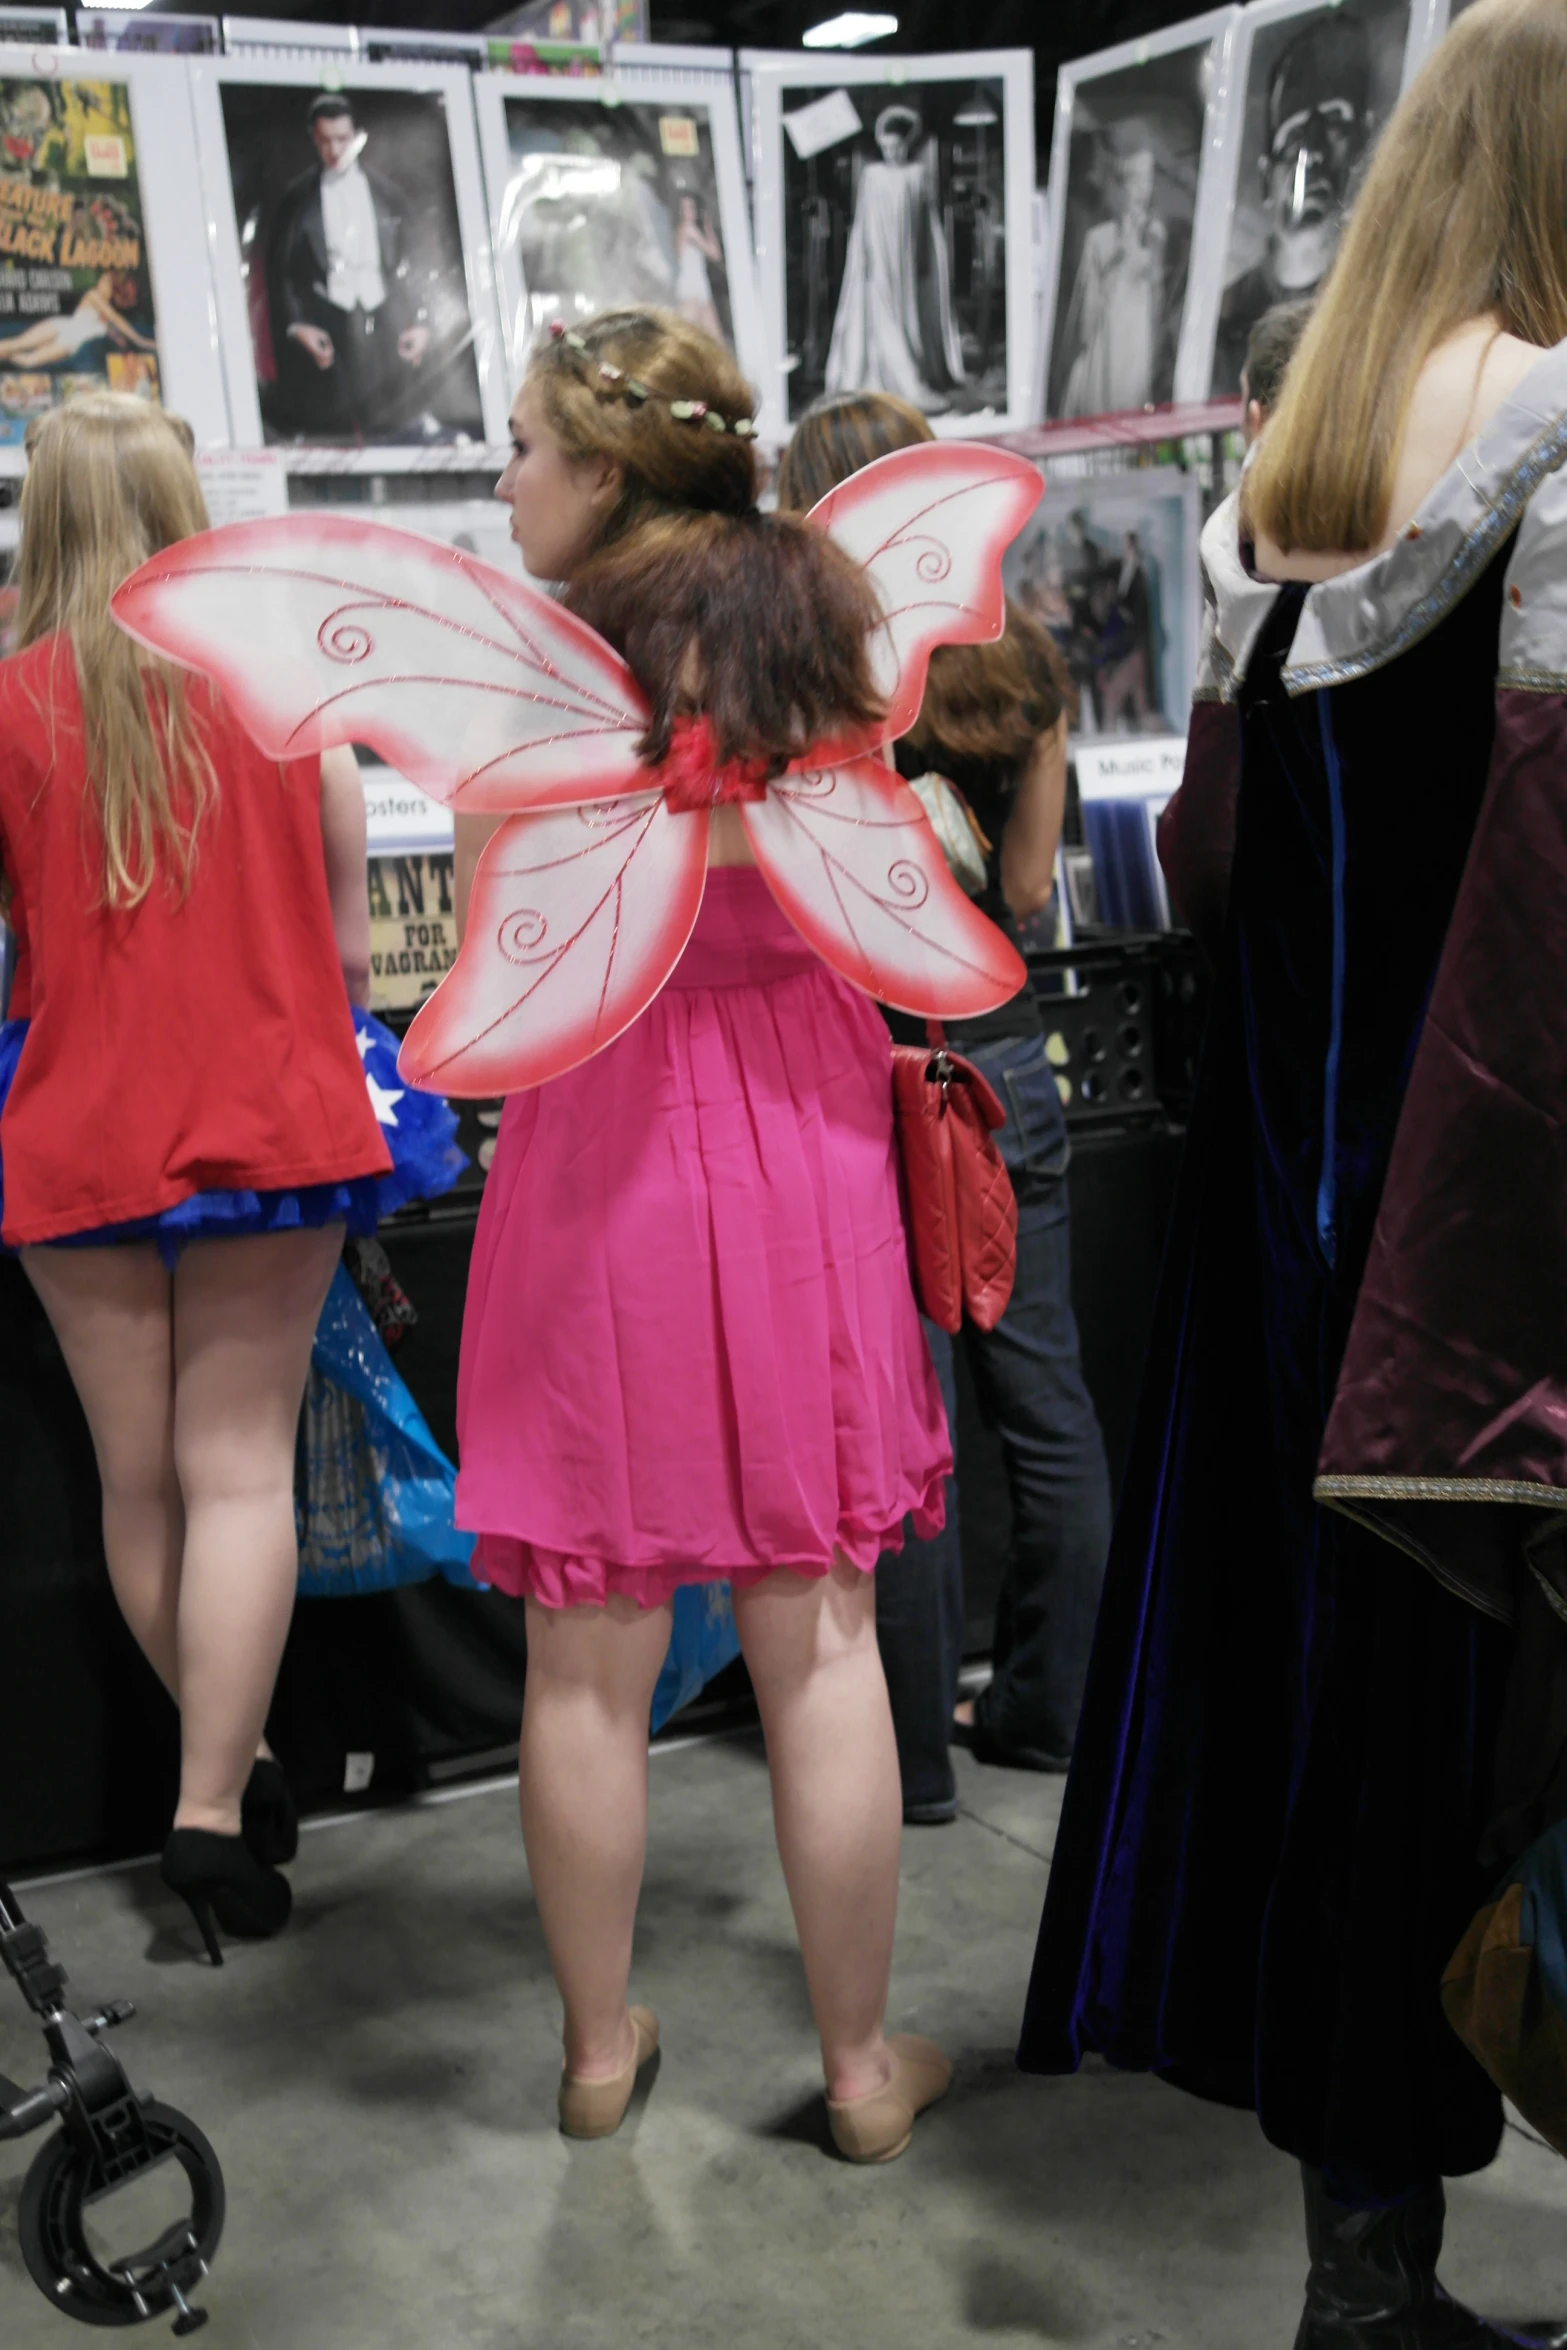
[994, 724]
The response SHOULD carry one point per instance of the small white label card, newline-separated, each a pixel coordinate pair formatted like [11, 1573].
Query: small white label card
[243, 485]
[400, 819]
[1131, 767]
[824, 123]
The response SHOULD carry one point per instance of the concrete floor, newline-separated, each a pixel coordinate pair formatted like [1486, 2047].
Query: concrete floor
[380, 2086]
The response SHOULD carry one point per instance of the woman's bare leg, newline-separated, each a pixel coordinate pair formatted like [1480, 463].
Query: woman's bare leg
[811, 1650]
[110, 1309]
[583, 1778]
[245, 1312]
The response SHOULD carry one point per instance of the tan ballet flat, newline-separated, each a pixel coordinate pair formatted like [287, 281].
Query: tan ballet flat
[877, 2128]
[596, 2109]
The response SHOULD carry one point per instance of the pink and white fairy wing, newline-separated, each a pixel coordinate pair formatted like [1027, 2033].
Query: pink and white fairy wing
[322, 629]
[577, 918]
[929, 526]
[849, 855]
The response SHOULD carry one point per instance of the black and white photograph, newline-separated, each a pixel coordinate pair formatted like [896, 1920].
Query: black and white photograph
[1312, 88]
[362, 319]
[642, 200]
[892, 236]
[1127, 172]
[1109, 566]
[608, 204]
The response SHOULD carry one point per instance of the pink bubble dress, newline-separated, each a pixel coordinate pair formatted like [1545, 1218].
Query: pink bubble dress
[691, 1349]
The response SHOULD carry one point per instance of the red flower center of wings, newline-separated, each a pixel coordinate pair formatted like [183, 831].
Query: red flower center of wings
[691, 776]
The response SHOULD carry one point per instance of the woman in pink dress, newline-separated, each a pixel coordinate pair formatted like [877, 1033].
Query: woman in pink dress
[691, 1349]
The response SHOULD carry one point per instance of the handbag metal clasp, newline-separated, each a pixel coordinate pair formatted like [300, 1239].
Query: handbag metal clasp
[942, 1070]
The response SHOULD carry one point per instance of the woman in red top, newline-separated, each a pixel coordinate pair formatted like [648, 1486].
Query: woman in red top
[186, 1130]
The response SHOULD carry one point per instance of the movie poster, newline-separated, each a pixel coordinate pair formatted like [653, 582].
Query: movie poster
[76, 307]
[413, 928]
[1317, 85]
[1127, 175]
[895, 235]
[356, 289]
[1109, 566]
[608, 205]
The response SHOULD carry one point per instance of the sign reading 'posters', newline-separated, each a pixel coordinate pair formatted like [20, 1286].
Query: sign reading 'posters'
[76, 309]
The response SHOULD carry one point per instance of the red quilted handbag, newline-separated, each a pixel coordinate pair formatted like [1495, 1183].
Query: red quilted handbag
[957, 1194]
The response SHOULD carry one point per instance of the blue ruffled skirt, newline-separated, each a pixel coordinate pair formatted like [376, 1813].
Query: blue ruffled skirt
[420, 1132]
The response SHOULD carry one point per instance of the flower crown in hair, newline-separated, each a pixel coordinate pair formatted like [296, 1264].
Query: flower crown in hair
[616, 380]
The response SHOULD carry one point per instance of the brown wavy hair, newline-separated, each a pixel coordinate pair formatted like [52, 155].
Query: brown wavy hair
[982, 702]
[111, 480]
[759, 618]
[1463, 213]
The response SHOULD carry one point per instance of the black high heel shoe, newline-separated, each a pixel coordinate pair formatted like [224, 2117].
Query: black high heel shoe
[268, 1820]
[221, 1879]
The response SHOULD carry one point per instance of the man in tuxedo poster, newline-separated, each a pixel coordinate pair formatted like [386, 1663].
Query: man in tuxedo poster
[349, 333]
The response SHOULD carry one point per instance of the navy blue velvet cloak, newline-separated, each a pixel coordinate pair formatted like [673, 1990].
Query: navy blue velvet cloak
[1354, 1418]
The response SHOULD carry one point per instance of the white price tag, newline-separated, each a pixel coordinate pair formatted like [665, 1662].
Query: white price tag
[243, 485]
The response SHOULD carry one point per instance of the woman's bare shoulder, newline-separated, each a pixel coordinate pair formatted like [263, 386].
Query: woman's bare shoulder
[1459, 389]
[1457, 393]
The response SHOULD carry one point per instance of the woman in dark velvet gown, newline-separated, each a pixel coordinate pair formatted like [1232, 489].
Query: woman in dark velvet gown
[1355, 1413]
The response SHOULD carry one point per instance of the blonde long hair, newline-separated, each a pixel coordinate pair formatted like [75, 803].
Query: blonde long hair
[110, 481]
[1463, 213]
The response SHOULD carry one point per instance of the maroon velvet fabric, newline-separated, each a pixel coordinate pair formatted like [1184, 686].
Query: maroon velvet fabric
[1456, 1366]
[1197, 829]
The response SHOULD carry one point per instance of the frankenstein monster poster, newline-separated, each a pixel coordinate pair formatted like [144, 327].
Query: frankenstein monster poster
[76, 309]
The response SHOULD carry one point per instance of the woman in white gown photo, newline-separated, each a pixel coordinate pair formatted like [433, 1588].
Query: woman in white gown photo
[895, 330]
[695, 246]
[1118, 302]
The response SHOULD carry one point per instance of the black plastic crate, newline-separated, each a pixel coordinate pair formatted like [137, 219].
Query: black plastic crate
[1123, 1025]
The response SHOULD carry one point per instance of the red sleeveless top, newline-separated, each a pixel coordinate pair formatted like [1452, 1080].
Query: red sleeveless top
[202, 1043]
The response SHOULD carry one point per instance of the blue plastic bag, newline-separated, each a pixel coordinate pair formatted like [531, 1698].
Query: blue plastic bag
[703, 1641]
[374, 1491]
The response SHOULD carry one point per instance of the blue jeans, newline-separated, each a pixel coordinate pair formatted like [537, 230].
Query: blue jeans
[1029, 1380]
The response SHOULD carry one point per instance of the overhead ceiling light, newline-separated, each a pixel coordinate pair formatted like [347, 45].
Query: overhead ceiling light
[850, 31]
[121, 4]
[977, 114]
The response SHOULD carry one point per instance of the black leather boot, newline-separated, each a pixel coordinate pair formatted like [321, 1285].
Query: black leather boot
[1373, 2282]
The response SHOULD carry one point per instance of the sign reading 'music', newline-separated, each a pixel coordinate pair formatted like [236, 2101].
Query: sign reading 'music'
[1144, 767]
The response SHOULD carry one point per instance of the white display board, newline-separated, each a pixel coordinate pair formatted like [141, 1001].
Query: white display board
[399, 364]
[401, 820]
[893, 200]
[1438, 15]
[617, 192]
[1136, 222]
[104, 275]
